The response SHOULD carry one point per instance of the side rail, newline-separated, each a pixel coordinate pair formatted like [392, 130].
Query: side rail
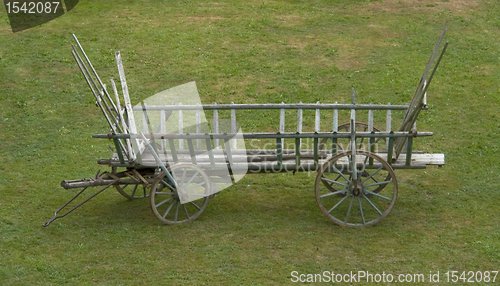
[330, 124]
[279, 159]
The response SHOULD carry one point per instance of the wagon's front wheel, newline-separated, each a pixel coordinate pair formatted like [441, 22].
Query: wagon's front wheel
[182, 203]
[356, 202]
[137, 190]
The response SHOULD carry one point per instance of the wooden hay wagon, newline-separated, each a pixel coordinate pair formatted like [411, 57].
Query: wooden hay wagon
[169, 152]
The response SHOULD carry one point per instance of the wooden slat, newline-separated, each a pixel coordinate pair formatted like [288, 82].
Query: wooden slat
[173, 150]
[317, 118]
[210, 152]
[282, 128]
[181, 127]
[126, 97]
[390, 149]
[279, 150]
[282, 119]
[233, 127]
[408, 150]
[388, 123]
[425, 94]
[215, 126]
[119, 150]
[145, 120]
[299, 127]
[315, 151]
[110, 110]
[417, 160]
[228, 153]
[299, 119]
[370, 120]
[128, 150]
[284, 106]
[198, 127]
[334, 146]
[372, 149]
[297, 151]
[163, 128]
[353, 130]
[335, 120]
[191, 151]
[128, 108]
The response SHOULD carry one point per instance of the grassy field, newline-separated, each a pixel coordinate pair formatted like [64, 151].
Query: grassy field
[266, 226]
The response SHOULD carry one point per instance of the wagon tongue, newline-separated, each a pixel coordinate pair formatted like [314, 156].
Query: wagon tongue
[99, 180]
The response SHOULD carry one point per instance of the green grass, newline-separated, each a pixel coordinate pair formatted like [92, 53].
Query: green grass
[266, 226]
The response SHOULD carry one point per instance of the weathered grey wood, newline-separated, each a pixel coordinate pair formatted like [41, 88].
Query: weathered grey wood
[299, 129]
[317, 118]
[94, 71]
[263, 135]
[418, 160]
[198, 127]
[128, 105]
[210, 151]
[233, 127]
[128, 108]
[280, 106]
[173, 151]
[180, 125]
[282, 119]
[425, 93]
[102, 99]
[299, 119]
[388, 122]
[145, 121]
[229, 155]
[163, 128]
[191, 151]
[370, 120]
[89, 81]
[416, 104]
[297, 151]
[125, 129]
[118, 103]
[215, 126]
[282, 125]
[434, 70]
[335, 120]
[353, 129]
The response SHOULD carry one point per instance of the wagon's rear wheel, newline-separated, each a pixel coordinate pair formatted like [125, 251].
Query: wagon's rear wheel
[355, 202]
[137, 190]
[184, 203]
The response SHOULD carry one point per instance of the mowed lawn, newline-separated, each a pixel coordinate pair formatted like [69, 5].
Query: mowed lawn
[261, 230]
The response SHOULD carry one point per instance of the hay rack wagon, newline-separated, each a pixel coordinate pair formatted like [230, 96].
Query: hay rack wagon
[165, 150]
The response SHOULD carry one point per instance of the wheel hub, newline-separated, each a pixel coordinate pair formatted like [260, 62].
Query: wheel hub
[356, 188]
[181, 195]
